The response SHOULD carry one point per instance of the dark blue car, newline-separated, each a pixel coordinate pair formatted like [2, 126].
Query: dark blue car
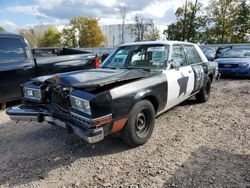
[234, 61]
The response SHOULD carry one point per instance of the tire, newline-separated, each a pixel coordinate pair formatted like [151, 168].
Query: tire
[2, 106]
[140, 124]
[204, 93]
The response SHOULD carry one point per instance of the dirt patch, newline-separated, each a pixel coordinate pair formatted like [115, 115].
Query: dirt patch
[193, 145]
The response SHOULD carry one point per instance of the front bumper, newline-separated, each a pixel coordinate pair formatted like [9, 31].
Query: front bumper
[240, 71]
[91, 135]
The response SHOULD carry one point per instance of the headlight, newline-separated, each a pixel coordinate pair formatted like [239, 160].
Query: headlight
[80, 104]
[244, 64]
[32, 93]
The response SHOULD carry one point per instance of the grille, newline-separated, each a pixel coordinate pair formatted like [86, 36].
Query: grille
[228, 65]
[81, 119]
[60, 98]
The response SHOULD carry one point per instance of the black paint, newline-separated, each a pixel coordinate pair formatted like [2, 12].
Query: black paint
[183, 84]
[15, 73]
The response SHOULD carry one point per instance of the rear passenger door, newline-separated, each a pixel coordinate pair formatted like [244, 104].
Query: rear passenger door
[197, 65]
[180, 77]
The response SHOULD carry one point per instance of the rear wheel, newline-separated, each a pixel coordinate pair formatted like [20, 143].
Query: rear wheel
[204, 93]
[140, 124]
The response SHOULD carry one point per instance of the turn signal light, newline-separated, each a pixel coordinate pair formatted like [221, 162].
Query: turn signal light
[97, 63]
[101, 121]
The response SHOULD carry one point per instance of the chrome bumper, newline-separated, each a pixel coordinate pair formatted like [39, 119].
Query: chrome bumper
[91, 135]
[217, 77]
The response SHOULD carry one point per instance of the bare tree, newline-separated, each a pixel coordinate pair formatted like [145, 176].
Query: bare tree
[184, 21]
[194, 9]
[123, 13]
[141, 27]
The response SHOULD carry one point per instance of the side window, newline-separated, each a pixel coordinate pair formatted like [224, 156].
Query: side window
[11, 50]
[178, 57]
[192, 55]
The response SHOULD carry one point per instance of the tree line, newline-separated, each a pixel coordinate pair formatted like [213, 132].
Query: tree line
[84, 32]
[79, 32]
[222, 21]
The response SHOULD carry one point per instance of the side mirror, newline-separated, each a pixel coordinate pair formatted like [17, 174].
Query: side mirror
[104, 56]
[175, 64]
[210, 58]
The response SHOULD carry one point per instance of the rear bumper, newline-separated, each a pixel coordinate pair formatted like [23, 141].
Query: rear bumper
[91, 135]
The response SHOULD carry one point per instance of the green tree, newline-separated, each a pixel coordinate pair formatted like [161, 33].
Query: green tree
[50, 38]
[242, 22]
[83, 32]
[1, 29]
[174, 31]
[31, 36]
[189, 23]
[221, 22]
[68, 37]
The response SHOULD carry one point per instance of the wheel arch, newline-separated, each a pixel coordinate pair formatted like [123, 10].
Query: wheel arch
[211, 76]
[149, 96]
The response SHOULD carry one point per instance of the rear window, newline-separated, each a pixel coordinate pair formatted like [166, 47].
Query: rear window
[11, 50]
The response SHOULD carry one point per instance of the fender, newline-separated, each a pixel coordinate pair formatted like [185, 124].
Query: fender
[150, 96]
[126, 96]
[210, 74]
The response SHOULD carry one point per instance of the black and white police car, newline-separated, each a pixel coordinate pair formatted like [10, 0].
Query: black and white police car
[135, 83]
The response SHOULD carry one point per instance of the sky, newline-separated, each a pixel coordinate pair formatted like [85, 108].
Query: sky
[16, 14]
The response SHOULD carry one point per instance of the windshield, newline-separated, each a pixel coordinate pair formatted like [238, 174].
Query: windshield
[236, 53]
[138, 56]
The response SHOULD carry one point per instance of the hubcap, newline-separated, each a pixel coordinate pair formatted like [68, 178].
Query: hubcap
[141, 120]
[142, 124]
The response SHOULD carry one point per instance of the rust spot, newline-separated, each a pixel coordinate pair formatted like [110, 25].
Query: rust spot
[118, 125]
[55, 78]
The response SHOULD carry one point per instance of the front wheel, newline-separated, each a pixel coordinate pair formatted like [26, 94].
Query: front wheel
[140, 124]
[204, 93]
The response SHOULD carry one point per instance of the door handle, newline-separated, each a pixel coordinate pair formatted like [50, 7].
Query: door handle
[27, 67]
[189, 71]
[177, 69]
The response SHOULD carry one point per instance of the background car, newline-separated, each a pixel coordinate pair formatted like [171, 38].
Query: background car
[18, 64]
[234, 61]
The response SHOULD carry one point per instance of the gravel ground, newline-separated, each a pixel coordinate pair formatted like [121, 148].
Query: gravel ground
[193, 145]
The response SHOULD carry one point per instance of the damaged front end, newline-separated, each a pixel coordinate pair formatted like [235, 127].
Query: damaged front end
[87, 115]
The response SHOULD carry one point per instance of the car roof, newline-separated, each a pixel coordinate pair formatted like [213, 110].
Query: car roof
[156, 42]
[7, 34]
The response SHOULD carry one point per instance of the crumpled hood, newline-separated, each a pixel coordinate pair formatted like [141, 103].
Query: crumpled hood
[94, 77]
[232, 60]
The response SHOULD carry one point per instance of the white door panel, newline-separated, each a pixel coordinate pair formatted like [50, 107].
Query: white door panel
[180, 85]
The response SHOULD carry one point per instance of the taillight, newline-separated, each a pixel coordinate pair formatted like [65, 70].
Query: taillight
[97, 63]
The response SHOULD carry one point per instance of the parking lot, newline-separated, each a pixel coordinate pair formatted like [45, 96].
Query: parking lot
[194, 145]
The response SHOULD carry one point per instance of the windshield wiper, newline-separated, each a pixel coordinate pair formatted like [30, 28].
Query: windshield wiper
[142, 68]
[110, 68]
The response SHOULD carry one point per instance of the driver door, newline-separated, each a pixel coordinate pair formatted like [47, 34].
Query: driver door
[180, 77]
